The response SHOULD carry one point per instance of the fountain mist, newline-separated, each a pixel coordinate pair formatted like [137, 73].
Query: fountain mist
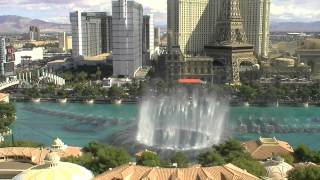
[181, 121]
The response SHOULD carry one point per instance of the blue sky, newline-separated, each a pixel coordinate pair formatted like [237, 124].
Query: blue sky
[58, 10]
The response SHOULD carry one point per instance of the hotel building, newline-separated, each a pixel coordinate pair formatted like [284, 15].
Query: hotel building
[127, 37]
[148, 39]
[90, 33]
[3, 54]
[192, 24]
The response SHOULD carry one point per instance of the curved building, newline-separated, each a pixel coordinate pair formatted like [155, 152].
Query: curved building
[54, 169]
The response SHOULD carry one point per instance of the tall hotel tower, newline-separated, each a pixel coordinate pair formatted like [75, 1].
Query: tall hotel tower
[192, 24]
[91, 34]
[3, 53]
[127, 24]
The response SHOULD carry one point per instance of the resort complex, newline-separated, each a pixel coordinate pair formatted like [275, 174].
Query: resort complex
[59, 161]
[159, 90]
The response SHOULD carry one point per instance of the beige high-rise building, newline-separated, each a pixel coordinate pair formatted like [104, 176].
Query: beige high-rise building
[257, 24]
[192, 24]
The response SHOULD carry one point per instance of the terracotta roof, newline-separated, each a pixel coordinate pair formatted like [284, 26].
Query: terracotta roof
[263, 149]
[134, 172]
[3, 96]
[190, 81]
[36, 155]
[70, 151]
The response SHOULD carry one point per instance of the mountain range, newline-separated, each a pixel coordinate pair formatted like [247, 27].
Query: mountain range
[295, 26]
[18, 24]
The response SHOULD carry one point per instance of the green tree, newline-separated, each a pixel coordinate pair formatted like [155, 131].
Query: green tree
[62, 93]
[68, 76]
[181, 159]
[7, 115]
[90, 92]
[247, 93]
[149, 159]
[229, 147]
[303, 153]
[231, 152]
[99, 157]
[82, 76]
[305, 173]
[98, 73]
[33, 92]
[21, 143]
[288, 158]
[252, 166]
[115, 92]
[210, 158]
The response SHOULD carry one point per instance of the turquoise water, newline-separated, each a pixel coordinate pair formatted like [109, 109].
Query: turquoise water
[78, 124]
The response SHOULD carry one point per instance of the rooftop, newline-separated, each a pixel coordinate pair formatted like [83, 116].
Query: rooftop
[190, 81]
[265, 148]
[100, 57]
[135, 172]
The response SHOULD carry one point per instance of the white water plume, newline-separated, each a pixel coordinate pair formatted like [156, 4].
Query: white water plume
[181, 121]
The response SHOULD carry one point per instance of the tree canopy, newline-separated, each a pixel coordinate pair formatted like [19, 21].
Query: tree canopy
[231, 152]
[150, 159]
[7, 115]
[181, 160]
[99, 157]
[21, 143]
[305, 173]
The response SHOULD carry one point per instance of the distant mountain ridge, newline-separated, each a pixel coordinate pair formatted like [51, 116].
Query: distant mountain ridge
[18, 24]
[295, 26]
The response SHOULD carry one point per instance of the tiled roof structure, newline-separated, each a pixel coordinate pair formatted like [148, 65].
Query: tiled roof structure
[34, 155]
[266, 148]
[135, 172]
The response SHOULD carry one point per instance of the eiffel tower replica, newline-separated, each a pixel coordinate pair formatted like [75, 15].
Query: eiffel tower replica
[230, 47]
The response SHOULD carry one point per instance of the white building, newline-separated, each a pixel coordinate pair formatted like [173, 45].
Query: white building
[127, 23]
[148, 39]
[3, 54]
[89, 33]
[109, 82]
[192, 24]
[34, 54]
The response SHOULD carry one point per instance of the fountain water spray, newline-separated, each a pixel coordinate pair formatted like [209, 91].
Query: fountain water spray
[181, 121]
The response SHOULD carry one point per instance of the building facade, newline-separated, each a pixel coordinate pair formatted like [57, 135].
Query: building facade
[107, 34]
[34, 54]
[34, 33]
[3, 54]
[65, 42]
[148, 39]
[157, 37]
[257, 24]
[192, 24]
[231, 47]
[127, 39]
[89, 33]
